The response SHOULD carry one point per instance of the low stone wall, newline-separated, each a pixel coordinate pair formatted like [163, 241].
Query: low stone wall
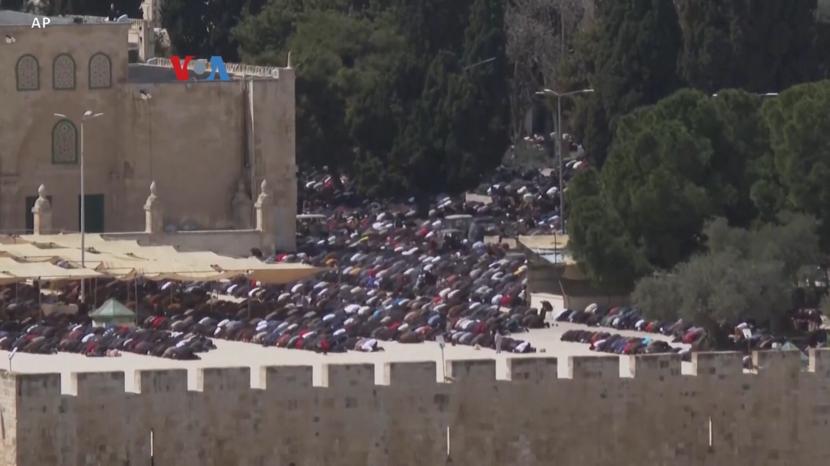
[719, 416]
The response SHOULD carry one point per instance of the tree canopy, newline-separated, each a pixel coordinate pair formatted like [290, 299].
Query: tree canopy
[631, 61]
[758, 45]
[411, 97]
[671, 166]
[798, 165]
[745, 274]
[416, 96]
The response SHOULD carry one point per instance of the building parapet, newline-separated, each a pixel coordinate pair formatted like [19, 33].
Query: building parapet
[238, 69]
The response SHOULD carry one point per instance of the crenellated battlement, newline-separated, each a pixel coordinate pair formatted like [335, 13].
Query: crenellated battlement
[348, 376]
[532, 370]
[591, 368]
[160, 381]
[539, 370]
[717, 364]
[408, 414]
[655, 366]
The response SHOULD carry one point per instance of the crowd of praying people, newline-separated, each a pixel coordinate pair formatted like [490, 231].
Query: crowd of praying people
[397, 271]
[520, 202]
[76, 334]
[334, 312]
[631, 318]
[394, 271]
[606, 342]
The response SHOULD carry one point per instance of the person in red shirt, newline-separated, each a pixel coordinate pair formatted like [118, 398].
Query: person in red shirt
[325, 345]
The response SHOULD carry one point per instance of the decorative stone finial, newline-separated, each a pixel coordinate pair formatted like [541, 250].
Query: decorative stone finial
[264, 214]
[42, 213]
[153, 198]
[153, 212]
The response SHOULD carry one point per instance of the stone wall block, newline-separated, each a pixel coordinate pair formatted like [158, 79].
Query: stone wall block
[287, 378]
[96, 384]
[777, 363]
[161, 381]
[594, 367]
[720, 364]
[532, 370]
[219, 379]
[655, 366]
[410, 374]
[473, 371]
[348, 376]
[38, 385]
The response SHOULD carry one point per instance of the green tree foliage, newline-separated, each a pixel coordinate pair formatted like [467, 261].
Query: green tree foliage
[597, 238]
[458, 128]
[631, 55]
[202, 28]
[798, 168]
[185, 21]
[411, 97]
[757, 45]
[792, 241]
[717, 291]
[346, 60]
[671, 166]
[746, 274]
[740, 141]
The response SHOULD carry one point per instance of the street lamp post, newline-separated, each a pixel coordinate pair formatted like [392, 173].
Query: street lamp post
[559, 140]
[87, 115]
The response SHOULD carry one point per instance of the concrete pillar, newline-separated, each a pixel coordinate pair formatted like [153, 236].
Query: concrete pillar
[146, 39]
[242, 207]
[153, 212]
[152, 12]
[264, 210]
[42, 213]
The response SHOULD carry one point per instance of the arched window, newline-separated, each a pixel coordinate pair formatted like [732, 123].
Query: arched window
[63, 72]
[28, 73]
[64, 142]
[100, 71]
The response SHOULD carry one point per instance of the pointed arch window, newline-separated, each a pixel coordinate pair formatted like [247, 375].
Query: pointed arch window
[63, 72]
[100, 71]
[64, 143]
[28, 73]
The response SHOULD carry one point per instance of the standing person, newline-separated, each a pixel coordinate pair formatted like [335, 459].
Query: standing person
[499, 340]
[448, 336]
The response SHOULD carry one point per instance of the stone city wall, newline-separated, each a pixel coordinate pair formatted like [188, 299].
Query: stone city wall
[720, 415]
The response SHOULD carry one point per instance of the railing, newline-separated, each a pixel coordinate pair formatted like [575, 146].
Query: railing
[234, 68]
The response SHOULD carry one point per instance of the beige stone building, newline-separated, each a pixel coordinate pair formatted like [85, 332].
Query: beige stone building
[208, 145]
